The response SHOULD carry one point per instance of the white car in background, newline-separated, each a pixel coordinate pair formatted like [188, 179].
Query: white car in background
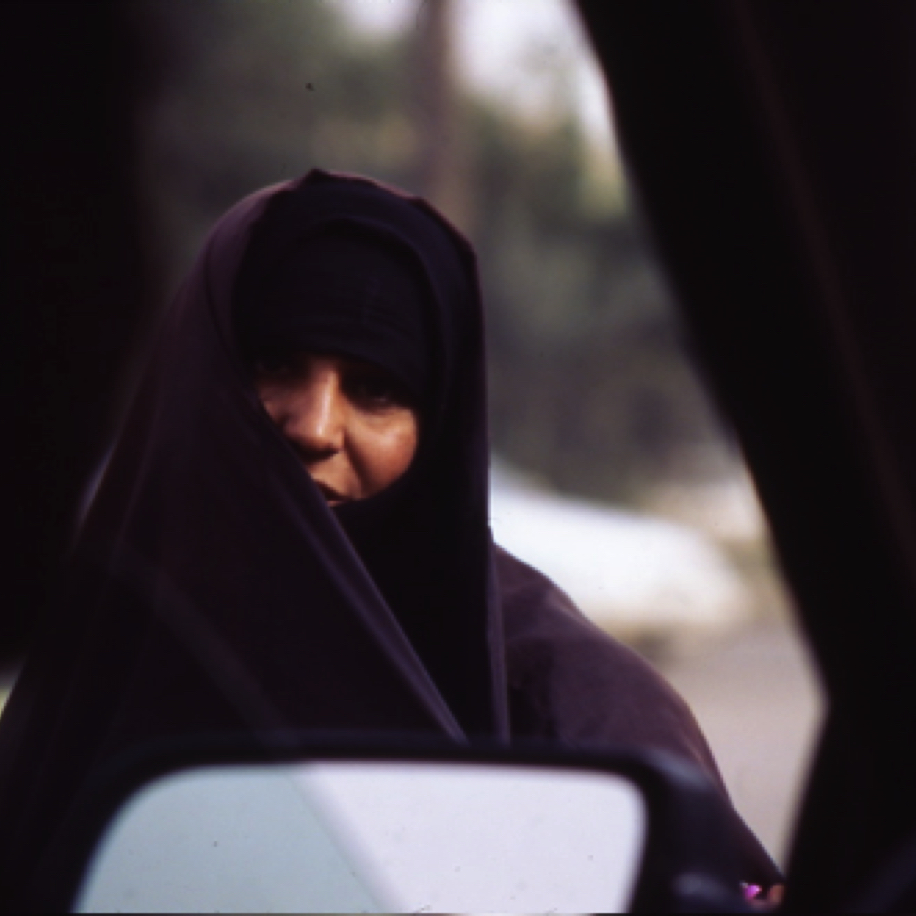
[636, 576]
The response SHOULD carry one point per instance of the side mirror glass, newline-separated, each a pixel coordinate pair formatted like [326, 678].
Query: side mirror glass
[378, 836]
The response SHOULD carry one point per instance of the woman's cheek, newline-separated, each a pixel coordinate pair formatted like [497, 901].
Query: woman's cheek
[383, 450]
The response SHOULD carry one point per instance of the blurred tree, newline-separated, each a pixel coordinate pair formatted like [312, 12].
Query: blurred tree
[247, 93]
[441, 166]
[590, 384]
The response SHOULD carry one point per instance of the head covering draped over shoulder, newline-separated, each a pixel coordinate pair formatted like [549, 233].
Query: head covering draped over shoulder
[347, 266]
[344, 290]
[211, 588]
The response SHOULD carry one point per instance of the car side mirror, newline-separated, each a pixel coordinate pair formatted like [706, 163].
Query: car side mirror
[429, 830]
[383, 837]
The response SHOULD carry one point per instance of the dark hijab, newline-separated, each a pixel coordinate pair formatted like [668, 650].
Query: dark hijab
[211, 588]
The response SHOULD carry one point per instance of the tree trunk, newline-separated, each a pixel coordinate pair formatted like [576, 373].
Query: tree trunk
[441, 160]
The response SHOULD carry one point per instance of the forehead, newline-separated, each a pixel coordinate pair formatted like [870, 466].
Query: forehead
[306, 359]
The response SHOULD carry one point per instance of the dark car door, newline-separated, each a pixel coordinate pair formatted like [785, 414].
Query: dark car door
[773, 147]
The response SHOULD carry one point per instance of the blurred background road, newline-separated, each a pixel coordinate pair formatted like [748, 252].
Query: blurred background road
[759, 705]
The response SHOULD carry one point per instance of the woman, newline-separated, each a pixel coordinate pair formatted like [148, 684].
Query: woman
[292, 530]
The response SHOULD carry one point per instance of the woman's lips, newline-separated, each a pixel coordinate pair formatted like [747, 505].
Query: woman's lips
[330, 494]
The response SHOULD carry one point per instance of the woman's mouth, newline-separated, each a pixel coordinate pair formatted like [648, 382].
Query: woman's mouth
[330, 494]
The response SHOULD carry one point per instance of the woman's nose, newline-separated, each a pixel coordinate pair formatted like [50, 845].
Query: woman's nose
[316, 415]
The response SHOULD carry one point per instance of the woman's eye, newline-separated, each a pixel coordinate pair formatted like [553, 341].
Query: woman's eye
[373, 390]
[376, 391]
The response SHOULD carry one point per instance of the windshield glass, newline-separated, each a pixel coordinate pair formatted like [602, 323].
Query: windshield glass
[610, 472]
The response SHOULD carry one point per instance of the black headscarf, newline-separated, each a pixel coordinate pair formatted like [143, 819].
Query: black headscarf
[212, 588]
[345, 266]
[346, 289]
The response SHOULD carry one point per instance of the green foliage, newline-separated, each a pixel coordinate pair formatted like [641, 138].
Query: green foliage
[589, 384]
[251, 92]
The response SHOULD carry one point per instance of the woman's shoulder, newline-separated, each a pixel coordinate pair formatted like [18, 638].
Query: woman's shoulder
[536, 610]
[571, 680]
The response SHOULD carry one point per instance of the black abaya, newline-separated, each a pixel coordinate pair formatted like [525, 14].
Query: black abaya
[211, 589]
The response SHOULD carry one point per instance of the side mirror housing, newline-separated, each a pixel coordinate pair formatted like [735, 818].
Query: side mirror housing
[342, 828]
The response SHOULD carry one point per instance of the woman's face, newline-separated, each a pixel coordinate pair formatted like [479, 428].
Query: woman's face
[351, 422]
